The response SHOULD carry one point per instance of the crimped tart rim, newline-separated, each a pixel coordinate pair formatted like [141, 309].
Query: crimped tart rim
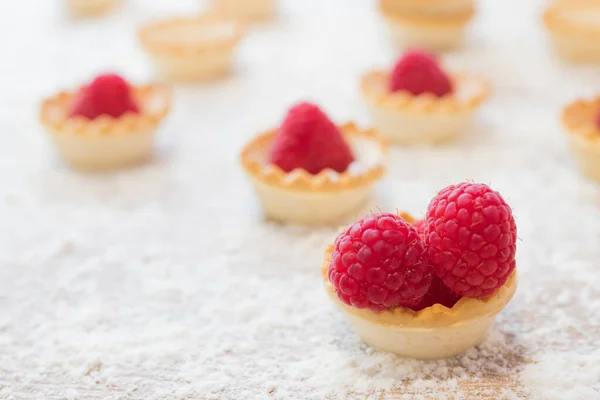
[146, 35]
[426, 103]
[578, 119]
[303, 180]
[555, 23]
[436, 316]
[54, 116]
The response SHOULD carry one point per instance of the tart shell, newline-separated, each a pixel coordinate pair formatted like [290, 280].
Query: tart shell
[432, 32]
[406, 119]
[433, 333]
[91, 7]
[106, 142]
[583, 136]
[575, 42]
[177, 58]
[246, 10]
[305, 199]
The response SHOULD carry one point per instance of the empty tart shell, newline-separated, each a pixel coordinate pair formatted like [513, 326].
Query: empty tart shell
[106, 142]
[91, 7]
[406, 119]
[427, 30]
[246, 10]
[432, 333]
[325, 198]
[431, 8]
[583, 135]
[574, 29]
[192, 49]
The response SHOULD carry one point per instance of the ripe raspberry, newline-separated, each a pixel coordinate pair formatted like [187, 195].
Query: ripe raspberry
[307, 139]
[107, 94]
[438, 293]
[379, 263]
[419, 225]
[418, 72]
[471, 239]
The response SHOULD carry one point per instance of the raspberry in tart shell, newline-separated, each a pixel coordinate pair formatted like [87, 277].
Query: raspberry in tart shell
[433, 332]
[425, 118]
[325, 198]
[92, 130]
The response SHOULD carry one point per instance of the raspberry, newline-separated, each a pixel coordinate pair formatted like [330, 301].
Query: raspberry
[107, 94]
[379, 263]
[438, 293]
[419, 225]
[418, 72]
[471, 239]
[307, 139]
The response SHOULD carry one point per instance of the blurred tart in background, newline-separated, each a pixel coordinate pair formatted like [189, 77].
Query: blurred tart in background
[574, 28]
[246, 10]
[429, 24]
[581, 121]
[418, 102]
[192, 49]
[105, 124]
[91, 7]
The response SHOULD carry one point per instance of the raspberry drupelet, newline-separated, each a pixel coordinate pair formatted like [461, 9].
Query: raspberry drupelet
[471, 239]
[380, 263]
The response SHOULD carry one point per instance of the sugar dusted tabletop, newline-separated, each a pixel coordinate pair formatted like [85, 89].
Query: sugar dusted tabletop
[163, 282]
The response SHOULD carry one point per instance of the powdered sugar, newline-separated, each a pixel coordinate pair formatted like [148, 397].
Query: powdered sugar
[164, 282]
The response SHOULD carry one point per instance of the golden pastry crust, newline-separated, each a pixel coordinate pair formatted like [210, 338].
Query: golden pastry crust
[436, 316]
[300, 180]
[373, 86]
[579, 119]
[558, 18]
[154, 36]
[153, 100]
[410, 16]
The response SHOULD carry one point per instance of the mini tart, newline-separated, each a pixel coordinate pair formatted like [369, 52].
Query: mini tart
[246, 10]
[106, 142]
[91, 7]
[325, 198]
[583, 135]
[406, 119]
[433, 31]
[432, 8]
[434, 332]
[192, 49]
[574, 29]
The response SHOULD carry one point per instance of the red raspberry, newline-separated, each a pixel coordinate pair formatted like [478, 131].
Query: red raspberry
[471, 239]
[307, 139]
[107, 94]
[418, 72]
[420, 226]
[379, 263]
[438, 293]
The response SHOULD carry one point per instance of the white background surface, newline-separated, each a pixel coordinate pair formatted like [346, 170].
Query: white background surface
[164, 282]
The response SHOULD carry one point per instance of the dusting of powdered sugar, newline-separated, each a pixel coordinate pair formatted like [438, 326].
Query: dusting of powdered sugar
[164, 282]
